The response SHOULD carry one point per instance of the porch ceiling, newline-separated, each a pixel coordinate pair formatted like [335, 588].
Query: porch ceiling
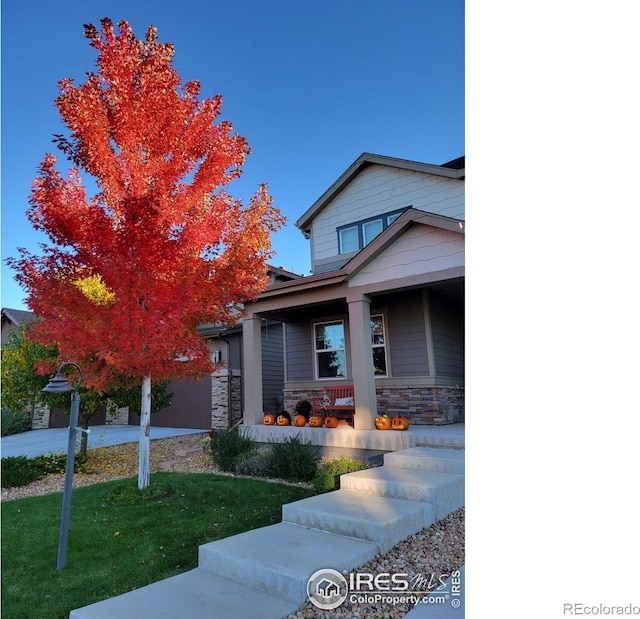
[452, 290]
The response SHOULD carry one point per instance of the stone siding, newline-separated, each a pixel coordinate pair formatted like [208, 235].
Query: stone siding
[40, 419]
[119, 417]
[221, 382]
[421, 405]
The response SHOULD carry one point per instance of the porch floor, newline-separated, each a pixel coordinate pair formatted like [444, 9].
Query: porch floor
[347, 437]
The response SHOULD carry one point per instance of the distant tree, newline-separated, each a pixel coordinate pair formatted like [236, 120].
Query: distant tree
[27, 367]
[161, 247]
[21, 384]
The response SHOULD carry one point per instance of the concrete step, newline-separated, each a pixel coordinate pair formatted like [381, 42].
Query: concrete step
[279, 559]
[436, 459]
[382, 520]
[198, 594]
[444, 491]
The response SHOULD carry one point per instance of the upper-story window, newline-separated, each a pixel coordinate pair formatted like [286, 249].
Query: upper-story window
[357, 235]
[348, 239]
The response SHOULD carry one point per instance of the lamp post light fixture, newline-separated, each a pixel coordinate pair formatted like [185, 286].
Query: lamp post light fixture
[59, 384]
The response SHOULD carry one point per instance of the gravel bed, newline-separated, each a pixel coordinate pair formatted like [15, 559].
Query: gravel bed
[438, 549]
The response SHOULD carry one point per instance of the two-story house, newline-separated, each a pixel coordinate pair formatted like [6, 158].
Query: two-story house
[384, 308]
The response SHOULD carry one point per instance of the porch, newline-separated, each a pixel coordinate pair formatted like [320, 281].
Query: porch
[347, 437]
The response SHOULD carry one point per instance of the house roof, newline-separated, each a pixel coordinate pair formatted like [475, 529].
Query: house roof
[453, 169]
[409, 218]
[18, 317]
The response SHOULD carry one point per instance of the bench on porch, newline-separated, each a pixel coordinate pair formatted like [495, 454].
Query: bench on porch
[337, 401]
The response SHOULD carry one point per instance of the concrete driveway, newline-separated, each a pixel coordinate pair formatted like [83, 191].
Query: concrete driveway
[54, 440]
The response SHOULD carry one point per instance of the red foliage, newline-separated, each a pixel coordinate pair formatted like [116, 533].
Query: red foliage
[171, 247]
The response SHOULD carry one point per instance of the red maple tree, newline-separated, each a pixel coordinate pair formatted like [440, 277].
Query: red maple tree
[161, 248]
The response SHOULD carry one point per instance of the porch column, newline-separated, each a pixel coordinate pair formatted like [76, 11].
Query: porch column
[252, 354]
[364, 385]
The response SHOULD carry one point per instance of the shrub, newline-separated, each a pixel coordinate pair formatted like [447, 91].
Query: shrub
[20, 470]
[228, 447]
[295, 459]
[327, 477]
[256, 465]
[57, 463]
[15, 423]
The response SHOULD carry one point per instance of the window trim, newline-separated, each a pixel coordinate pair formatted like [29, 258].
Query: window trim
[360, 224]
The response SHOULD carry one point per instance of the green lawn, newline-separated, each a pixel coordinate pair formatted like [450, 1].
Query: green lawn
[117, 548]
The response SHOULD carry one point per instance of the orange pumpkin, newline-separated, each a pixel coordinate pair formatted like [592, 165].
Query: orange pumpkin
[269, 419]
[331, 421]
[299, 420]
[283, 420]
[383, 422]
[315, 421]
[400, 423]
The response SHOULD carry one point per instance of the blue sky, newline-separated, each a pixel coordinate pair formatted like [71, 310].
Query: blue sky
[310, 85]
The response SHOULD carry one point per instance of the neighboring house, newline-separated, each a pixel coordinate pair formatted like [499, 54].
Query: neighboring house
[12, 319]
[384, 308]
[42, 416]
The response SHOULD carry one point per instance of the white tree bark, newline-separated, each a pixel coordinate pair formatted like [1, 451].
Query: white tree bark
[145, 430]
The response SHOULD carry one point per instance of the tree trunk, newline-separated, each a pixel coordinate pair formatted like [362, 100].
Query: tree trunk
[145, 429]
[84, 439]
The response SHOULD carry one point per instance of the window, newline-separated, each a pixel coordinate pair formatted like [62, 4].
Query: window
[330, 351]
[355, 236]
[378, 344]
[349, 239]
[370, 231]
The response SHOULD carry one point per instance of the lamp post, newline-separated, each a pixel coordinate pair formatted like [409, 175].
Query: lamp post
[59, 384]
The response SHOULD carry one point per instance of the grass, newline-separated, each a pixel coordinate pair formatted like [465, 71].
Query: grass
[117, 542]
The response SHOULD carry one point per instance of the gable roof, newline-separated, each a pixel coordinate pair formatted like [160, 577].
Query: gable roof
[453, 169]
[18, 317]
[409, 218]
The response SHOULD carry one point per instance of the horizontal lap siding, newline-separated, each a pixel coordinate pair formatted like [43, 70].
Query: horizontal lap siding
[407, 336]
[272, 365]
[299, 354]
[447, 319]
